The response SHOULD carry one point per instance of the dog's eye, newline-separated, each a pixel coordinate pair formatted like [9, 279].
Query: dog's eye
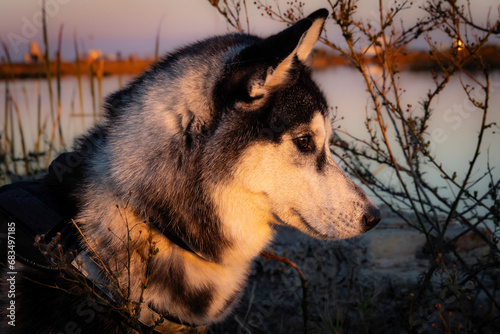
[304, 143]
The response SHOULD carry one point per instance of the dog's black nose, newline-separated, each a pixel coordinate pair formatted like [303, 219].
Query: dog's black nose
[371, 218]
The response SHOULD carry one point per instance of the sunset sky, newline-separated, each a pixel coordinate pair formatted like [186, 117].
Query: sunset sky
[130, 26]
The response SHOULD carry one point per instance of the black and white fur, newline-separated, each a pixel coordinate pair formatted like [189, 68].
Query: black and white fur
[213, 145]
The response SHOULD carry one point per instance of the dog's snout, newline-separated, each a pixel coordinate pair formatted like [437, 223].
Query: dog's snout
[371, 218]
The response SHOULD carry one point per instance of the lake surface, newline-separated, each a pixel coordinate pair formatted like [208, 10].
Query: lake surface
[454, 126]
[453, 129]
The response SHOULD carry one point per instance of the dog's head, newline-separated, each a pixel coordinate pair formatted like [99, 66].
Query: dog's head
[276, 120]
[236, 122]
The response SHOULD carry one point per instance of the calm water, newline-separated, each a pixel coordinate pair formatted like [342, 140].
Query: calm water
[454, 127]
[455, 123]
[27, 94]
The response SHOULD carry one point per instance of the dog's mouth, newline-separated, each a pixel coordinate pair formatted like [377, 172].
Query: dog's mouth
[306, 227]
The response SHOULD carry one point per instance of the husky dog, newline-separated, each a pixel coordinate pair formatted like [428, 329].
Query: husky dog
[198, 158]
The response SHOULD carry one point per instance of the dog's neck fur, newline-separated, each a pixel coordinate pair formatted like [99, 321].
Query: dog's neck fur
[194, 289]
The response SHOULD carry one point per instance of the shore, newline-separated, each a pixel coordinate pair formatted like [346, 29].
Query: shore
[411, 60]
[415, 60]
[104, 68]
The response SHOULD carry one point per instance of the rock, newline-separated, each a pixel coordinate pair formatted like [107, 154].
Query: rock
[390, 245]
[472, 240]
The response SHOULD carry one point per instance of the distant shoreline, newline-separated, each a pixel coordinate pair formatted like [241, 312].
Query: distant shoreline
[104, 68]
[413, 61]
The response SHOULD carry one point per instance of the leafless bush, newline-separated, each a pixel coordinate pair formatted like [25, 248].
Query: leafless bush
[111, 291]
[400, 141]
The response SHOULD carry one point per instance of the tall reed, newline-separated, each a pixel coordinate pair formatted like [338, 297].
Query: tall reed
[58, 76]
[12, 135]
[25, 158]
[40, 128]
[99, 75]
[9, 141]
[5, 141]
[46, 59]
[157, 41]
[48, 75]
[78, 74]
[92, 91]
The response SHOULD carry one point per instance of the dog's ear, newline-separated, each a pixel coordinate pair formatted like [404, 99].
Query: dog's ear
[268, 64]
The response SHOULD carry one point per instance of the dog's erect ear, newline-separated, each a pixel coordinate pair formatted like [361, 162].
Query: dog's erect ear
[277, 54]
[311, 36]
